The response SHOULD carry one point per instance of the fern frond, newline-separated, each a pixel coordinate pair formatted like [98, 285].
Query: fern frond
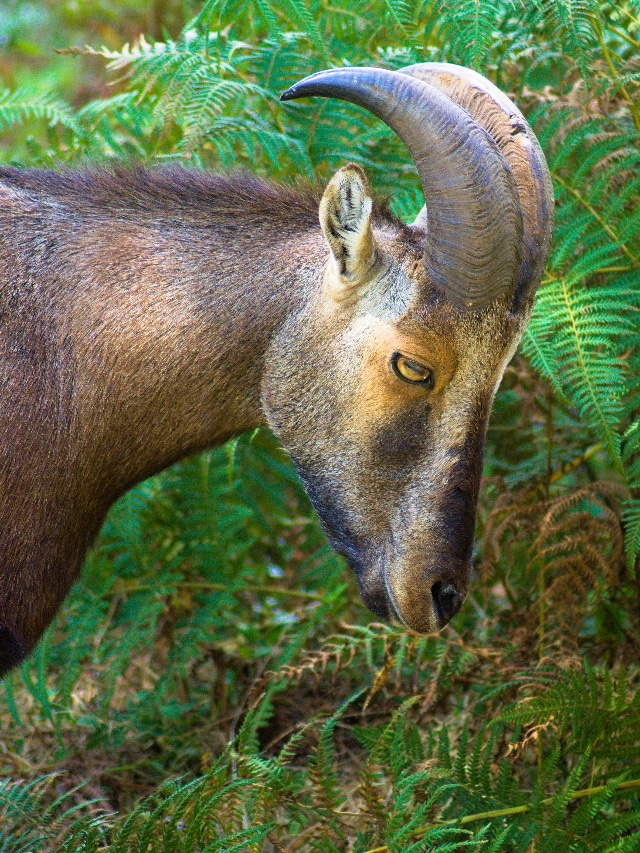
[27, 103]
[631, 519]
[573, 19]
[577, 330]
[470, 29]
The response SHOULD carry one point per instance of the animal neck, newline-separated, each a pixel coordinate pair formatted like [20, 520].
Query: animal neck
[171, 351]
[136, 335]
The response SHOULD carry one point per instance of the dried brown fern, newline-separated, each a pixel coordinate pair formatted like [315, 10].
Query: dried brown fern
[562, 553]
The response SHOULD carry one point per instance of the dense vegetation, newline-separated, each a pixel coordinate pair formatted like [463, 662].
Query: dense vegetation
[213, 682]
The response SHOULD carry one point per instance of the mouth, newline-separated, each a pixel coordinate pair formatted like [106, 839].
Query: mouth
[375, 592]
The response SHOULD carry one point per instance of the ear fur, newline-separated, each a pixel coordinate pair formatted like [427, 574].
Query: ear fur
[345, 218]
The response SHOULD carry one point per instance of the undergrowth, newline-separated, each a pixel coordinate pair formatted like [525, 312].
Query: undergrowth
[213, 682]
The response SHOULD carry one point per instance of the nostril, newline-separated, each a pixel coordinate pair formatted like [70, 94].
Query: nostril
[447, 600]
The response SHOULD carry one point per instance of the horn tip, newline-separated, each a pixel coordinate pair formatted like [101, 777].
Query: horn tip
[307, 86]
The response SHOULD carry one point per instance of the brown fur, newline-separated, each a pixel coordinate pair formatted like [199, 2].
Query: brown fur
[145, 315]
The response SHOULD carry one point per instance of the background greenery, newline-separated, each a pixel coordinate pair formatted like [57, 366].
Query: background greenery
[213, 682]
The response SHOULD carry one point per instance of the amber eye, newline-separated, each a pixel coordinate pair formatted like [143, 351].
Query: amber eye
[411, 371]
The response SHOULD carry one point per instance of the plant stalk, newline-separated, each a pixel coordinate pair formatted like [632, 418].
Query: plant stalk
[513, 810]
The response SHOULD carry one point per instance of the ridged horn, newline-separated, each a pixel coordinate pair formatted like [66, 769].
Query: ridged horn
[504, 122]
[475, 224]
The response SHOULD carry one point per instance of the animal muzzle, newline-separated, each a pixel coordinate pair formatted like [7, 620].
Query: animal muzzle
[417, 573]
[424, 599]
[414, 596]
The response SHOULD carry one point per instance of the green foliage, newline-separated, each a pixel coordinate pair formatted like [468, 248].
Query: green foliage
[212, 683]
[23, 104]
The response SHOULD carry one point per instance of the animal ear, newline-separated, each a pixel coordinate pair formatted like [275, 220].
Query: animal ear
[345, 217]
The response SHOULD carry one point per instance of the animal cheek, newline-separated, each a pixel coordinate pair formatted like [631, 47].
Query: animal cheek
[331, 503]
[458, 513]
[400, 443]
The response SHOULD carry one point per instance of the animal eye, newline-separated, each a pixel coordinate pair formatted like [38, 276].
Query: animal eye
[411, 371]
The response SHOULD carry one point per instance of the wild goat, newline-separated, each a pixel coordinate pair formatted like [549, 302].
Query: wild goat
[145, 315]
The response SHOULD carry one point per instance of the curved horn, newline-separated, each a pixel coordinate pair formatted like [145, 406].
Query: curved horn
[500, 117]
[475, 225]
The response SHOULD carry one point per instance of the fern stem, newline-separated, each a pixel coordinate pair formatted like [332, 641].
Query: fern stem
[541, 576]
[515, 810]
[568, 467]
[221, 587]
[549, 439]
[551, 279]
[629, 15]
[541, 637]
[272, 590]
[633, 109]
[343, 12]
[598, 218]
[625, 36]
